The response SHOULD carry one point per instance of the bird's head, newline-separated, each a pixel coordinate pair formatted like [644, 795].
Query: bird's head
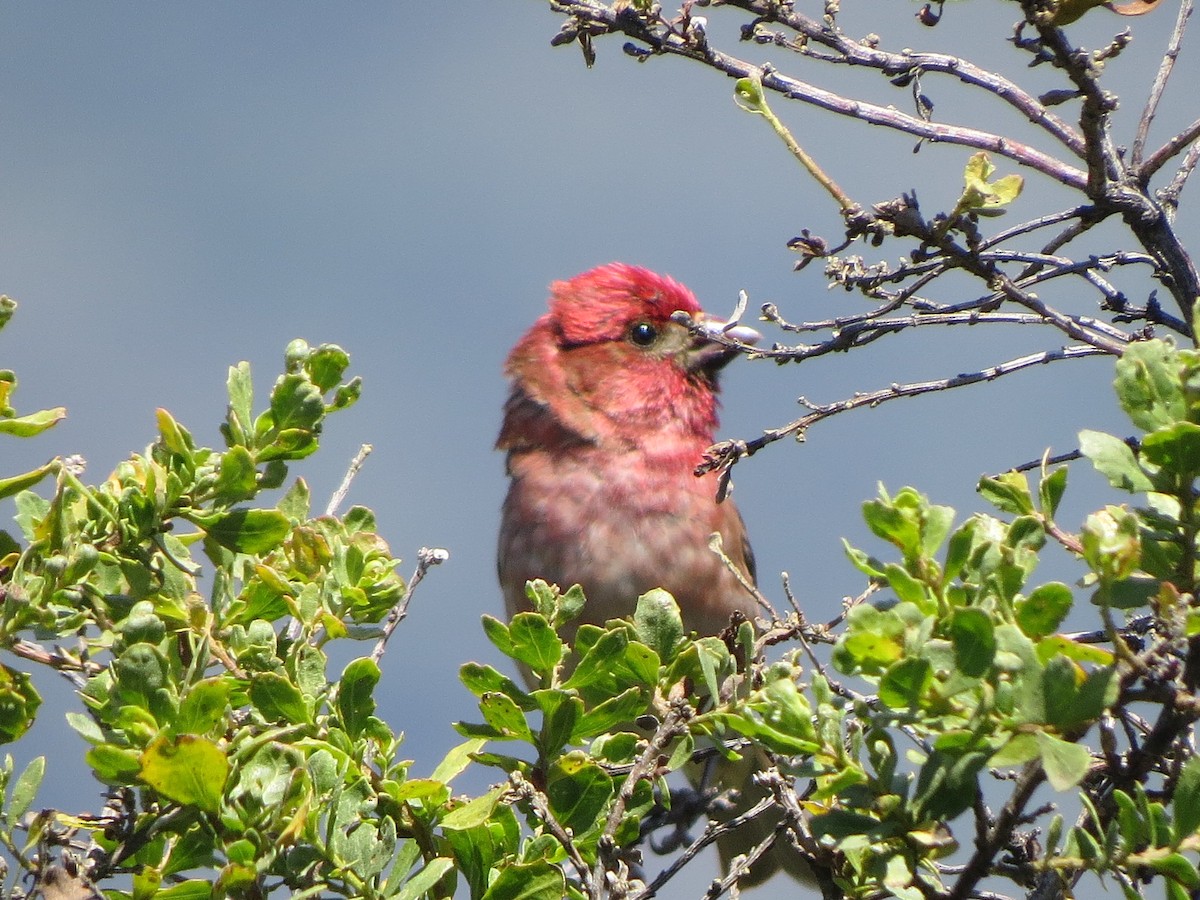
[614, 357]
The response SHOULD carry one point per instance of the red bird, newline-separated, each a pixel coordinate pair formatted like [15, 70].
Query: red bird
[612, 406]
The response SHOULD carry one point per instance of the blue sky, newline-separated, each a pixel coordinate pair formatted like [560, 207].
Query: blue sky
[186, 186]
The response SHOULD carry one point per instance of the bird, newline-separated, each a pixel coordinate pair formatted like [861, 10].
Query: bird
[612, 405]
[613, 402]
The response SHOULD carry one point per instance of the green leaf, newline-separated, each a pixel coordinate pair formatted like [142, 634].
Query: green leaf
[1059, 692]
[326, 365]
[204, 707]
[481, 850]
[1018, 750]
[355, 698]
[1097, 693]
[906, 587]
[34, 423]
[296, 502]
[296, 404]
[85, 727]
[188, 769]
[1113, 459]
[505, 716]
[904, 683]
[474, 812]
[947, 783]
[532, 881]
[1175, 448]
[424, 881]
[457, 760]
[978, 194]
[1043, 610]
[497, 632]
[115, 766]
[141, 670]
[1055, 645]
[278, 699]
[239, 419]
[1008, 492]
[658, 623]
[24, 790]
[974, 638]
[481, 679]
[535, 643]
[236, 477]
[561, 712]
[1111, 543]
[578, 790]
[889, 522]
[1148, 385]
[1065, 763]
[625, 707]
[1129, 593]
[1186, 804]
[873, 640]
[251, 531]
[1051, 489]
[1178, 868]
[192, 889]
[19, 702]
[17, 483]
[174, 436]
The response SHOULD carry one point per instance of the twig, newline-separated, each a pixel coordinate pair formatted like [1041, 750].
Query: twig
[726, 453]
[523, 790]
[750, 97]
[859, 334]
[1160, 83]
[1159, 157]
[713, 832]
[995, 837]
[717, 545]
[1170, 194]
[427, 558]
[742, 865]
[674, 723]
[344, 488]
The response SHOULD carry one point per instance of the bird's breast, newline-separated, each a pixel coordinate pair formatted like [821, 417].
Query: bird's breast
[619, 525]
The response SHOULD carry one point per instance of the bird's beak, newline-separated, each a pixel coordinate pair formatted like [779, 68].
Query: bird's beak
[711, 348]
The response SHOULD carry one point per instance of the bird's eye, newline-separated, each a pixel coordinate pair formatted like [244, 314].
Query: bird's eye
[643, 334]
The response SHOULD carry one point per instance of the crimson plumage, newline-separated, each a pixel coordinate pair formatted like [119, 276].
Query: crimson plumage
[612, 406]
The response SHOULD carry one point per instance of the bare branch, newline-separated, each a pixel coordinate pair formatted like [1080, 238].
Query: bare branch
[427, 558]
[726, 453]
[994, 838]
[674, 724]
[1160, 83]
[1170, 194]
[356, 464]
[1175, 145]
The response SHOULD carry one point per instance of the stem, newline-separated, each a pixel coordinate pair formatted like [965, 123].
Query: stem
[1160, 83]
[750, 97]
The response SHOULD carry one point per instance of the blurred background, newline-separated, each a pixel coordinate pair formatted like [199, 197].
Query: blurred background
[187, 186]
